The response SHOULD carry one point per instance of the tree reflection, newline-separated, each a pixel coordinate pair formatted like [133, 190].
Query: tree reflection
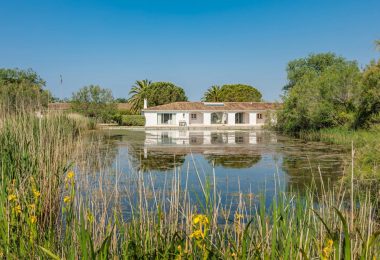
[235, 161]
[160, 161]
[304, 172]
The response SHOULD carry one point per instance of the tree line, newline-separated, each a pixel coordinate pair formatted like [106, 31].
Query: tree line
[325, 90]
[25, 89]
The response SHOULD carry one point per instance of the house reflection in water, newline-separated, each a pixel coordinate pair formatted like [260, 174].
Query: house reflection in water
[162, 137]
[231, 149]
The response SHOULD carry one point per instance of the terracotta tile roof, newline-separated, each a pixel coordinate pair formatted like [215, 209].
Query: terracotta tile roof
[215, 106]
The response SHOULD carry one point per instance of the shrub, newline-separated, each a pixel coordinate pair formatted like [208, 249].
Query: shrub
[133, 120]
[95, 102]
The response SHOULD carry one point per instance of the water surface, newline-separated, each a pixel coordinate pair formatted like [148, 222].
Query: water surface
[249, 162]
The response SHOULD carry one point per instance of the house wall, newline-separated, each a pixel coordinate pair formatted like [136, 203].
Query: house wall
[182, 117]
[262, 120]
[198, 120]
[252, 118]
[207, 118]
[150, 118]
[231, 118]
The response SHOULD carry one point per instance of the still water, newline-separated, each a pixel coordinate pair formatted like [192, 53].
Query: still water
[249, 162]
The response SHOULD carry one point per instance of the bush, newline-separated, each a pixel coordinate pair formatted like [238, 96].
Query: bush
[133, 120]
[95, 102]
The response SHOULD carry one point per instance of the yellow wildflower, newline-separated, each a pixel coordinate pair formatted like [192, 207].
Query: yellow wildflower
[67, 199]
[33, 219]
[198, 234]
[12, 197]
[201, 219]
[36, 193]
[17, 209]
[179, 248]
[233, 254]
[327, 250]
[70, 175]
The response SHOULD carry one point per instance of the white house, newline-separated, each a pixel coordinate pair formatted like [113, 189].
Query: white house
[209, 114]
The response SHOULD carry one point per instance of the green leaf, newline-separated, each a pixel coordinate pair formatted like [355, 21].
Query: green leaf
[49, 253]
[347, 239]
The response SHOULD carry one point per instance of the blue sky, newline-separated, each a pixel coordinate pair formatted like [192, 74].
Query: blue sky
[194, 44]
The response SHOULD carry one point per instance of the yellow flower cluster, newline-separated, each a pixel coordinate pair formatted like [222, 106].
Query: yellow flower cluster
[327, 250]
[12, 197]
[67, 199]
[33, 219]
[200, 219]
[17, 209]
[70, 175]
[197, 234]
[36, 193]
[201, 224]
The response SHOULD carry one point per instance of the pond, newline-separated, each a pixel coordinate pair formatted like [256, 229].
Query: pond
[240, 162]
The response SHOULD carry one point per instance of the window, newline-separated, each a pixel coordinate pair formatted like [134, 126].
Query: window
[166, 119]
[239, 118]
[259, 116]
[218, 118]
[193, 116]
[166, 138]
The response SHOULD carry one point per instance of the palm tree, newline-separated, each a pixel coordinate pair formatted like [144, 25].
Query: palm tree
[138, 92]
[377, 43]
[212, 94]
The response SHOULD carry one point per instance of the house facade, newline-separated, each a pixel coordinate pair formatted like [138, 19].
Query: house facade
[210, 114]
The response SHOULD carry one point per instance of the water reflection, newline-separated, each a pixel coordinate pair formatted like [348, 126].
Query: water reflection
[250, 161]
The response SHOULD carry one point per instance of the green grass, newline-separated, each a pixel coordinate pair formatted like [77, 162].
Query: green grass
[36, 162]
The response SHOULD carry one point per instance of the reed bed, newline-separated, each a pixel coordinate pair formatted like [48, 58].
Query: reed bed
[58, 201]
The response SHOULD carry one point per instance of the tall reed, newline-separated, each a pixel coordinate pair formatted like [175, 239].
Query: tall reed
[34, 156]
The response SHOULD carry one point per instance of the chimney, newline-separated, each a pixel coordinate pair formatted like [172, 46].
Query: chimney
[145, 103]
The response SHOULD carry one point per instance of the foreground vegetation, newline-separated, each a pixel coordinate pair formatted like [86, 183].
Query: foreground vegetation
[49, 209]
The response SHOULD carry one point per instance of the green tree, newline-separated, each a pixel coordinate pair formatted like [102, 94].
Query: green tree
[94, 101]
[239, 93]
[22, 90]
[162, 93]
[368, 105]
[156, 93]
[139, 92]
[314, 64]
[323, 95]
[212, 94]
[377, 44]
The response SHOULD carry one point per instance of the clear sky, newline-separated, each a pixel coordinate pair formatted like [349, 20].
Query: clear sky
[194, 44]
